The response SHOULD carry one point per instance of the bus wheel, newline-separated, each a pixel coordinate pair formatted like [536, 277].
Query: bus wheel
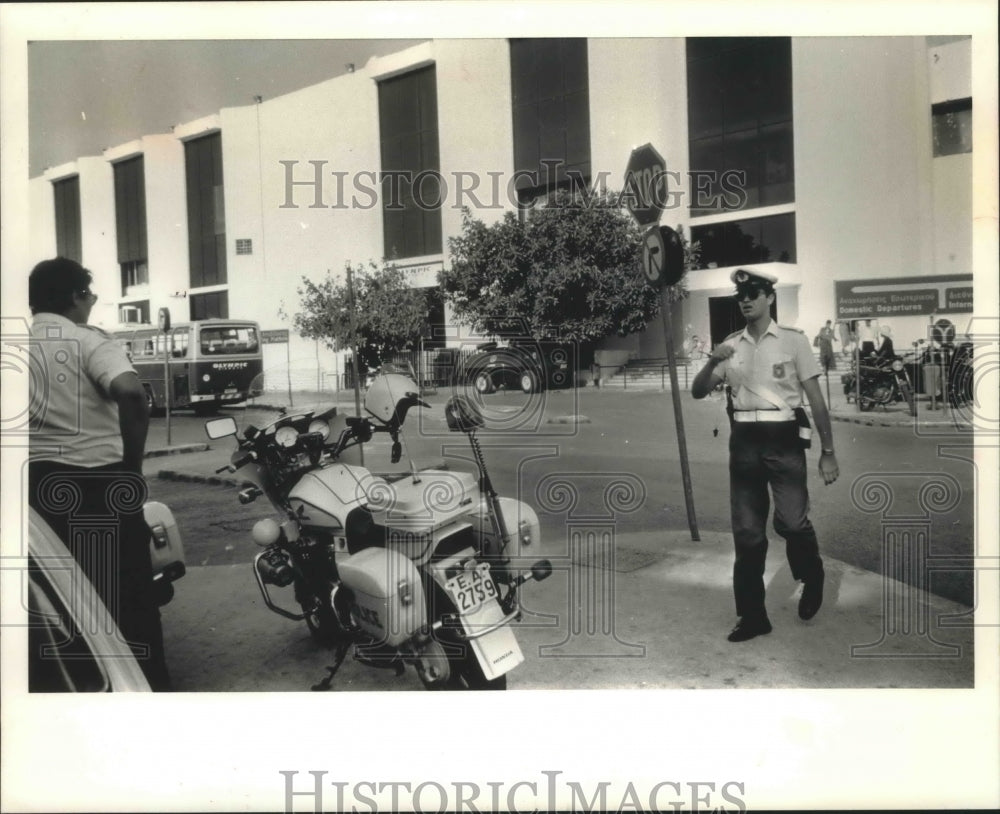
[151, 402]
[206, 408]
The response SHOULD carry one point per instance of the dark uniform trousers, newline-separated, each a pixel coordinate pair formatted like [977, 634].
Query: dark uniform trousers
[97, 513]
[763, 454]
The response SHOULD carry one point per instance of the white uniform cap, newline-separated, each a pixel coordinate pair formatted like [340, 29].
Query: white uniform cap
[748, 275]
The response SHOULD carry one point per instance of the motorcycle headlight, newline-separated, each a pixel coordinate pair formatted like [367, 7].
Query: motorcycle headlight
[322, 427]
[266, 532]
[897, 365]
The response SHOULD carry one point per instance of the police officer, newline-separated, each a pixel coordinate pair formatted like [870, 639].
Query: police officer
[90, 420]
[768, 368]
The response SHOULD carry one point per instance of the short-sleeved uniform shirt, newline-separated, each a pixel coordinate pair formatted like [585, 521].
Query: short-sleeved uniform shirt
[74, 420]
[780, 361]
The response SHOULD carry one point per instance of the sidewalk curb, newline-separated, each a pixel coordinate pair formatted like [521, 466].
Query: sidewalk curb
[568, 419]
[179, 450]
[210, 480]
[903, 422]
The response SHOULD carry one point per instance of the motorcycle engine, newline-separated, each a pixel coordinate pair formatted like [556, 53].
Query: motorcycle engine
[275, 567]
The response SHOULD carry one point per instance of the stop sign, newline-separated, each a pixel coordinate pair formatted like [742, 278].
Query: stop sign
[645, 185]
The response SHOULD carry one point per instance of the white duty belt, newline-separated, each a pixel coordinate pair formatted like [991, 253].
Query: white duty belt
[780, 412]
[763, 415]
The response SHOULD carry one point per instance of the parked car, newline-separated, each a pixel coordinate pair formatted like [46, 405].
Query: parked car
[72, 644]
[526, 364]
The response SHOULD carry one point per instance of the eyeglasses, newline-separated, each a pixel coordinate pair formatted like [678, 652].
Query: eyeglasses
[89, 294]
[751, 293]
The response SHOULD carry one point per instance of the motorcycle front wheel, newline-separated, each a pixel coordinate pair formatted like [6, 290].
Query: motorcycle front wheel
[904, 388]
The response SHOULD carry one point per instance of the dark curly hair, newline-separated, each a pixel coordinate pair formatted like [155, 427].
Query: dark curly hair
[52, 283]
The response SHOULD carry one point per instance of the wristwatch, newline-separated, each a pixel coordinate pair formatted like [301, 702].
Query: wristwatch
[827, 451]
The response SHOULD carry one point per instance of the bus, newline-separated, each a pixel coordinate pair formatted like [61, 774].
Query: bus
[211, 362]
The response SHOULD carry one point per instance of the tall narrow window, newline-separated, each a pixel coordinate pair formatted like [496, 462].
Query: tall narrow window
[952, 127]
[411, 164]
[214, 304]
[67, 204]
[551, 114]
[740, 122]
[130, 224]
[206, 211]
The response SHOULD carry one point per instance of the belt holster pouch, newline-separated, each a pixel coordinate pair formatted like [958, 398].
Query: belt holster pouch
[730, 409]
[805, 428]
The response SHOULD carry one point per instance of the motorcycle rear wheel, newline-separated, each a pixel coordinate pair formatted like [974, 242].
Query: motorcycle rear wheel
[322, 624]
[463, 666]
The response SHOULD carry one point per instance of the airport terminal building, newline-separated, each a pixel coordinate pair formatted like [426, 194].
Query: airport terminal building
[843, 162]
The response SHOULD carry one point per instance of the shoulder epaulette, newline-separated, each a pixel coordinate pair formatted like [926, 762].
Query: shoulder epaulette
[99, 331]
[790, 328]
[733, 335]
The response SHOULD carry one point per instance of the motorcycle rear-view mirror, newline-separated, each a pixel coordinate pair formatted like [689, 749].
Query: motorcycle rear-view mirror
[220, 427]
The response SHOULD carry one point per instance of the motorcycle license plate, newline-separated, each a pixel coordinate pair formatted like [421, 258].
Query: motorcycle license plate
[470, 589]
[231, 391]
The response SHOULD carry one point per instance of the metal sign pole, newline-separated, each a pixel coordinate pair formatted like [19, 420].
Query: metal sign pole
[288, 369]
[663, 266]
[163, 318]
[354, 355]
[678, 416]
[166, 384]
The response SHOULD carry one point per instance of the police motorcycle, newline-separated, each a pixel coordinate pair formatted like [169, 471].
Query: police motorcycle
[421, 570]
[881, 384]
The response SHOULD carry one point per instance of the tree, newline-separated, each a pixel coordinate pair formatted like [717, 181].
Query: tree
[389, 315]
[571, 270]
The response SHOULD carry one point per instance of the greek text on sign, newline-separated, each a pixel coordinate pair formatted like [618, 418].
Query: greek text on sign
[274, 337]
[904, 296]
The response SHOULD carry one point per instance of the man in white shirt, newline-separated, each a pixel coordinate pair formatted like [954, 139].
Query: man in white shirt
[769, 367]
[89, 421]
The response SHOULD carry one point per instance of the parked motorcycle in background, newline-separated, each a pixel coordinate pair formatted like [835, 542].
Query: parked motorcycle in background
[880, 385]
[421, 570]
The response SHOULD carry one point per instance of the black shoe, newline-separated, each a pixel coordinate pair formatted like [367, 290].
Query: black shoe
[748, 627]
[812, 596]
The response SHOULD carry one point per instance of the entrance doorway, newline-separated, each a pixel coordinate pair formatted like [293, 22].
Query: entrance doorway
[724, 317]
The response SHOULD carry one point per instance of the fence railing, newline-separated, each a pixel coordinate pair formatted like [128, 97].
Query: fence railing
[642, 373]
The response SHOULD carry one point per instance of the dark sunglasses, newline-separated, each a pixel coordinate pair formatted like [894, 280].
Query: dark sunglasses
[749, 292]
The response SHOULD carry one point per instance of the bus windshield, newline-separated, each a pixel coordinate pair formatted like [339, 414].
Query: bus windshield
[228, 339]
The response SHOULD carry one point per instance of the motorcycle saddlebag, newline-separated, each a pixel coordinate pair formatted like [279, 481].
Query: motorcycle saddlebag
[165, 547]
[388, 595]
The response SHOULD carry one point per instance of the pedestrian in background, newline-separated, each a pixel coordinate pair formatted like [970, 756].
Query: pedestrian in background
[885, 352]
[769, 367]
[90, 418]
[824, 341]
[846, 338]
[866, 336]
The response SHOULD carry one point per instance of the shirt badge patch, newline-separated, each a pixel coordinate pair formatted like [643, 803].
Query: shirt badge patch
[778, 370]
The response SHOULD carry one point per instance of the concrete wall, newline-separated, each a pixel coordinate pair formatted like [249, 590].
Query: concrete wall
[950, 70]
[864, 197]
[166, 207]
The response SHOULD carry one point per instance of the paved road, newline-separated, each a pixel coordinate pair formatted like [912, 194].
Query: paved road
[630, 439]
[667, 599]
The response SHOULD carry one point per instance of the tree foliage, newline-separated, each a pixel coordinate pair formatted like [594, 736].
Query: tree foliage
[389, 315]
[571, 270]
